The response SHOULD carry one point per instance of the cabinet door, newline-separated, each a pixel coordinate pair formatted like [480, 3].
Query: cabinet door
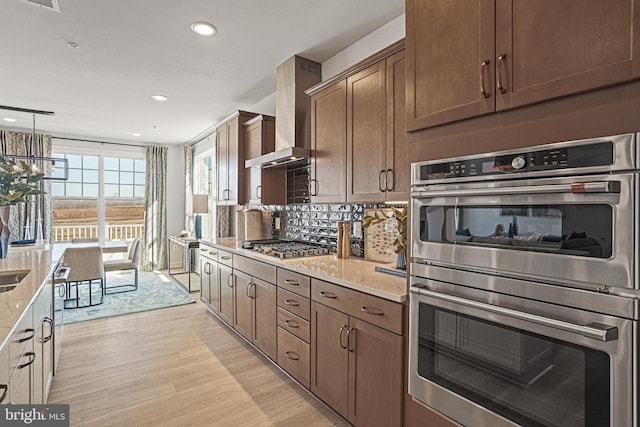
[447, 41]
[243, 317]
[205, 280]
[328, 141]
[4, 376]
[253, 176]
[235, 153]
[366, 134]
[329, 357]
[214, 286]
[264, 327]
[21, 383]
[222, 142]
[226, 293]
[375, 376]
[548, 49]
[397, 177]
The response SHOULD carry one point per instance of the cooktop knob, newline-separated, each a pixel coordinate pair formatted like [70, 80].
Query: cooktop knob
[518, 162]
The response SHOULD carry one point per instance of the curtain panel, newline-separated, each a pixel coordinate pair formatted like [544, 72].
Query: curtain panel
[154, 256]
[30, 220]
[188, 179]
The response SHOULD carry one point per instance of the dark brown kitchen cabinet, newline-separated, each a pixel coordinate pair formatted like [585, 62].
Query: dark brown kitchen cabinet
[356, 368]
[263, 186]
[470, 57]
[230, 158]
[255, 303]
[328, 142]
[397, 175]
[366, 133]
[227, 294]
[209, 277]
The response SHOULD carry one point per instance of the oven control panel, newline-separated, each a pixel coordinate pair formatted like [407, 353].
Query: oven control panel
[600, 154]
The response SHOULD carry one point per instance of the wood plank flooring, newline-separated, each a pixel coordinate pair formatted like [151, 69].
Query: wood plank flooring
[177, 366]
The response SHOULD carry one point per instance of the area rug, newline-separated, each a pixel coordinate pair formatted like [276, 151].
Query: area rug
[154, 291]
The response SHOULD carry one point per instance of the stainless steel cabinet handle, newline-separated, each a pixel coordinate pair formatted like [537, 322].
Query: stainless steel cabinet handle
[291, 324]
[226, 258]
[292, 302]
[291, 282]
[483, 90]
[593, 330]
[313, 183]
[207, 268]
[31, 332]
[575, 188]
[48, 320]
[247, 290]
[389, 187]
[228, 194]
[328, 295]
[342, 329]
[380, 186]
[371, 311]
[351, 349]
[259, 191]
[499, 84]
[292, 355]
[30, 362]
[250, 294]
[230, 277]
[5, 391]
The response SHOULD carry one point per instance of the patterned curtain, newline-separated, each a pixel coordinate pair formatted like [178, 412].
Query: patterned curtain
[27, 219]
[154, 256]
[188, 179]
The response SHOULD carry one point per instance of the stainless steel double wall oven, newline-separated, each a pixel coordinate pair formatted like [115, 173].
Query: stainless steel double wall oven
[524, 285]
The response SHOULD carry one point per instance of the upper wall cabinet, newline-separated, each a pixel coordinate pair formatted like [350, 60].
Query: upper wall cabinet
[263, 186]
[471, 57]
[230, 158]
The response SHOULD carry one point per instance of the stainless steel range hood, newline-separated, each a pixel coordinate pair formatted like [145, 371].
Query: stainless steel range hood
[293, 114]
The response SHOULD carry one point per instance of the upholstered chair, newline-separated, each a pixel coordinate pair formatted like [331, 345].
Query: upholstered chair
[85, 268]
[129, 263]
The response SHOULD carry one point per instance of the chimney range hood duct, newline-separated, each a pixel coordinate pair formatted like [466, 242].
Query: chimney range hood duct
[293, 114]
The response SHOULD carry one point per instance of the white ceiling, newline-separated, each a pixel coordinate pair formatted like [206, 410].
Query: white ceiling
[130, 49]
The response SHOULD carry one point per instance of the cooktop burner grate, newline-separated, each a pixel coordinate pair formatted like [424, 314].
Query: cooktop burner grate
[285, 249]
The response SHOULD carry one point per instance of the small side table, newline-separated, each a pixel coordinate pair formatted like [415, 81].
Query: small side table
[189, 243]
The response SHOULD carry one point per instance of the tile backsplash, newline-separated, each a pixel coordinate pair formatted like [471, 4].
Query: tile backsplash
[316, 223]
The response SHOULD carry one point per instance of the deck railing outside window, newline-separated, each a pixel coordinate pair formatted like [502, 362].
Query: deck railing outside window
[64, 233]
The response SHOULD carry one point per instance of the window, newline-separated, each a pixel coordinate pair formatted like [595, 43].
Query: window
[103, 197]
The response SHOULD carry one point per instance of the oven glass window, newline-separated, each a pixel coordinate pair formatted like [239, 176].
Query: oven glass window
[528, 378]
[580, 230]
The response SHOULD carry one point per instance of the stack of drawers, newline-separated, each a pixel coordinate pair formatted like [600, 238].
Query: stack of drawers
[294, 314]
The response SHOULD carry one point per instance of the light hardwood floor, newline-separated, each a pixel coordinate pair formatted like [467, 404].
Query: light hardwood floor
[177, 366]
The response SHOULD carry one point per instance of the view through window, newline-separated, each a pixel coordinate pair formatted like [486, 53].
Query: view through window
[103, 197]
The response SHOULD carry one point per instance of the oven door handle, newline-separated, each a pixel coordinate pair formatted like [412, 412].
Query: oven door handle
[593, 330]
[572, 187]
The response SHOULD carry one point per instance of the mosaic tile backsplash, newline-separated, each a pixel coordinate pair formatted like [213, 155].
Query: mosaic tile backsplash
[316, 223]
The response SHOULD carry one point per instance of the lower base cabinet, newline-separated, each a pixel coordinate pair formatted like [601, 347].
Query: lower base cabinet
[293, 356]
[356, 368]
[227, 280]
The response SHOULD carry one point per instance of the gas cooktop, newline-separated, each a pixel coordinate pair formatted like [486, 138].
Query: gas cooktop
[285, 248]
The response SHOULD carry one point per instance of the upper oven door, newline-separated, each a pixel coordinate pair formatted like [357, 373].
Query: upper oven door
[573, 230]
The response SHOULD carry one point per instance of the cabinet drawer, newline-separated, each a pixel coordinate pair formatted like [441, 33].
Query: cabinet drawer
[262, 270]
[294, 324]
[294, 282]
[295, 304]
[225, 258]
[294, 356]
[378, 311]
[208, 252]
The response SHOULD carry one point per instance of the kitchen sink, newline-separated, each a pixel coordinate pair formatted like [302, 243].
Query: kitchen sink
[10, 279]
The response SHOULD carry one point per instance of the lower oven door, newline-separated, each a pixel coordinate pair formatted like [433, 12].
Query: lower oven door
[483, 363]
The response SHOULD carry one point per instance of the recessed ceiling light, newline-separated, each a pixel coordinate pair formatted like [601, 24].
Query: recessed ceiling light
[136, 134]
[203, 28]
[9, 119]
[159, 97]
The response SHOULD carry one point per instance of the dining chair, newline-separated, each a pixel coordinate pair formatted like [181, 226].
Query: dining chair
[85, 267]
[129, 263]
[84, 240]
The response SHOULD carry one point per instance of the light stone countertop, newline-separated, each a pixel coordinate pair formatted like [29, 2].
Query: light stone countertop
[41, 261]
[353, 273]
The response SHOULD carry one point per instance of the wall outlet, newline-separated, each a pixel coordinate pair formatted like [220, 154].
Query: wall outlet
[357, 230]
